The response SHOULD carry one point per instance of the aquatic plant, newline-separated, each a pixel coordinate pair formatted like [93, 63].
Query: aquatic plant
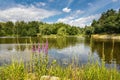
[18, 71]
[43, 48]
[39, 67]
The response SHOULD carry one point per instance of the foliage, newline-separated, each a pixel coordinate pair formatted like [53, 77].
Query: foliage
[14, 71]
[59, 28]
[62, 31]
[40, 66]
[108, 23]
[88, 30]
[21, 28]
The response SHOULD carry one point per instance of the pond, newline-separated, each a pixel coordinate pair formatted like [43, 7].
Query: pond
[64, 50]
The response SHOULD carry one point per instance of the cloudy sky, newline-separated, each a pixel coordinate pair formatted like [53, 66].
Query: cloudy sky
[73, 12]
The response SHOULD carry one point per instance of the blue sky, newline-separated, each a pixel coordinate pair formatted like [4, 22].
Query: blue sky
[73, 12]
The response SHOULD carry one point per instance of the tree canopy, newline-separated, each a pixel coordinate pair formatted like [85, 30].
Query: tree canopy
[108, 23]
[21, 28]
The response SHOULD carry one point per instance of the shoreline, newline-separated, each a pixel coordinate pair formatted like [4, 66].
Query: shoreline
[58, 36]
[106, 36]
[45, 36]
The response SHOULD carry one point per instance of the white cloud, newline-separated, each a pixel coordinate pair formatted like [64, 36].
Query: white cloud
[67, 10]
[65, 20]
[78, 12]
[40, 4]
[81, 22]
[75, 14]
[90, 4]
[114, 0]
[25, 13]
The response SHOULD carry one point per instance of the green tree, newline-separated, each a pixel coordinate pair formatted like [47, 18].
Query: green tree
[89, 30]
[62, 31]
[2, 32]
[107, 23]
[9, 28]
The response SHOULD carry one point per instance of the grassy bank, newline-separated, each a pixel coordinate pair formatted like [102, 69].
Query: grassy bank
[40, 66]
[59, 36]
[106, 36]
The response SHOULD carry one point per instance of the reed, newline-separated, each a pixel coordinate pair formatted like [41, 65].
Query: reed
[40, 66]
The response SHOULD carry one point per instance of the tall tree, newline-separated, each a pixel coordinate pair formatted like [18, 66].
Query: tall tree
[9, 28]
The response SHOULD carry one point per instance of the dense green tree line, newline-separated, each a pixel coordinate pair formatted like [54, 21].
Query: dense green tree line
[59, 29]
[108, 23]
[21, 28]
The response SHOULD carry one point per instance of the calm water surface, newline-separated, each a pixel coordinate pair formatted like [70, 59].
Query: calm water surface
[64, 50]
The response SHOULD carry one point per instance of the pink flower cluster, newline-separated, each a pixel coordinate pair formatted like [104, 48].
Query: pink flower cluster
[40, 48]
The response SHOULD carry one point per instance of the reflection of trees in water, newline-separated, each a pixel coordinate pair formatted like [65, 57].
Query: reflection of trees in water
[63, 42]
[59, 43]
[111, 50]
[22, 47]
[7, 40]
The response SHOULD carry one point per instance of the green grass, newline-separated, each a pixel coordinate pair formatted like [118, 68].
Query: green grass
[40, 66]
[59, 36]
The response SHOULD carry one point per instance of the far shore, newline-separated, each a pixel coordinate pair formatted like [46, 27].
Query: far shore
[59, 36]
[94, 36]
[106, 36]
[45, 36]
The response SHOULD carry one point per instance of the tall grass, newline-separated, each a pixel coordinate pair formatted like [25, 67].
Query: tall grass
[39, 66]
[18, 71]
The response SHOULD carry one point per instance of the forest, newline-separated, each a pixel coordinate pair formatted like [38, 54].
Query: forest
[33, 28]
[108, 23]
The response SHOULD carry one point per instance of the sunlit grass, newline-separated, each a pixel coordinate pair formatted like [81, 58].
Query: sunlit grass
[39, 66]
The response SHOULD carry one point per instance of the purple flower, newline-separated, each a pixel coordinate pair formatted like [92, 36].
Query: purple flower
[33, 48]
[39, 48]
[43, 47]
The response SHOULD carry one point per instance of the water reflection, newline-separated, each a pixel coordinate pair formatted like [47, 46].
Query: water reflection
[111, 50]
[64, 49]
